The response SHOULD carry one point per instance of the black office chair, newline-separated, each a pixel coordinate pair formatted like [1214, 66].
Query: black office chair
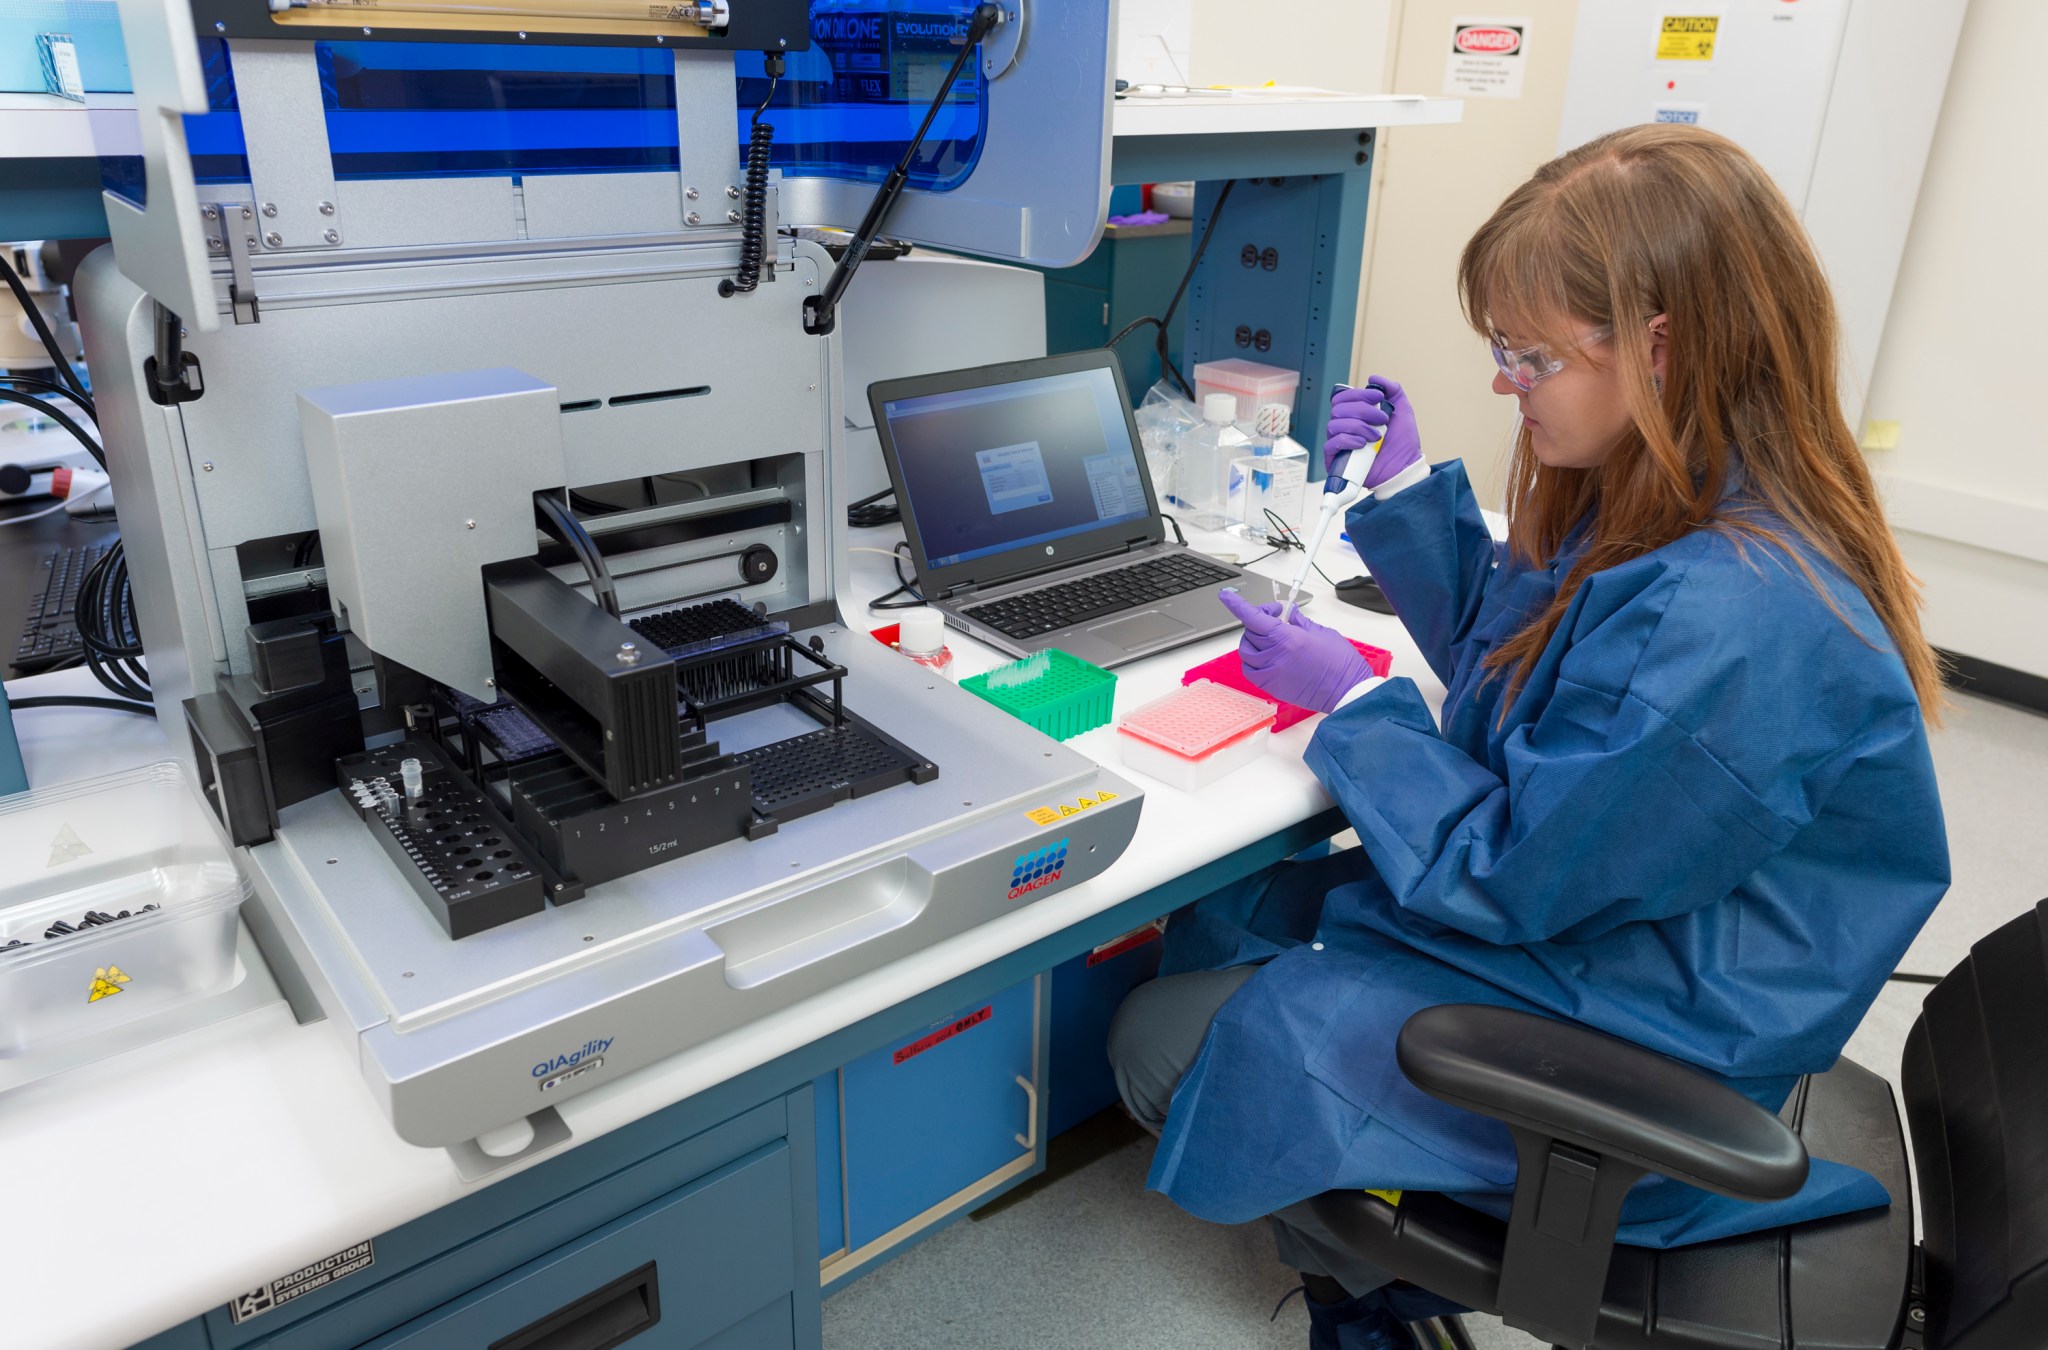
[1591, 1114]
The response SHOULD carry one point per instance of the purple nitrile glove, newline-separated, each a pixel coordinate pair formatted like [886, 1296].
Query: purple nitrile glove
[1377, 410]
[1298, 661]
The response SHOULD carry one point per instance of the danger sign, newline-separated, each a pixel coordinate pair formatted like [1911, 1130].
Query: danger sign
[1487, 40]
[1487, 58]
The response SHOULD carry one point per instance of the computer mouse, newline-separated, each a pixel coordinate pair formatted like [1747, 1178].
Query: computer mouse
[1365, 593]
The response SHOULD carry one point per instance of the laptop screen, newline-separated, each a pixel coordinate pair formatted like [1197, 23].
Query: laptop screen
[1017, 464]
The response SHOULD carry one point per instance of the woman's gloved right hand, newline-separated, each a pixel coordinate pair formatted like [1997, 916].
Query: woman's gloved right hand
[1376, 411]
[1295, 659]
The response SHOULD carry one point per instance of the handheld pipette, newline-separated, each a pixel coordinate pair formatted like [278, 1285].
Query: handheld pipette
[1342, 487]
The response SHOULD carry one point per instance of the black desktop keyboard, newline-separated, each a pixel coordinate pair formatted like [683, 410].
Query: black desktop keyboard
[1091, 597]
[50, 634]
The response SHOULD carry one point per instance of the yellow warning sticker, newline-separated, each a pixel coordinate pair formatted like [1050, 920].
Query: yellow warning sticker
[1053, 815]
[1391, 1197]
[1688, 37]
[107, 980]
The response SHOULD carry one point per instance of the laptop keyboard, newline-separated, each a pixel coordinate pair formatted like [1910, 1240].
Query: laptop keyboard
[1091, 597]
[50, 635]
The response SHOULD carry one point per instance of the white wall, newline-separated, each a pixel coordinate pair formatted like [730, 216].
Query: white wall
[1960, 368]
[1329, 44]
[1432, 188]
[1436, 186]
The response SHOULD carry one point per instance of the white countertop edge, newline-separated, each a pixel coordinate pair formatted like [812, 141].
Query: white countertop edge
[1257, 112]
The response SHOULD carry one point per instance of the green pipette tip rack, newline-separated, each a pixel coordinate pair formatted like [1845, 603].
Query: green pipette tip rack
[1060, 695]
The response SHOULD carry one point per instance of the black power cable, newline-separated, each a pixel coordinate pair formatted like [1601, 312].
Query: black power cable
[1162, 339]
[45, 388]
[83, 701]
[869, 513]
[754, 202]
[35, 319]
[60, 417]
[907, 586]
[556, 520]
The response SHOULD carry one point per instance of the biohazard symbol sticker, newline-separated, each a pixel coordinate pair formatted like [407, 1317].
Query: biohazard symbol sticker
[106, 981]
[66, 847]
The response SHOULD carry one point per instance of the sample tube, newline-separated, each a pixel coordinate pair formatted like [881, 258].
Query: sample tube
[415, 779]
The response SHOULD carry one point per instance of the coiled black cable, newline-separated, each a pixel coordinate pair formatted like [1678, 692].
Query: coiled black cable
[754, 200]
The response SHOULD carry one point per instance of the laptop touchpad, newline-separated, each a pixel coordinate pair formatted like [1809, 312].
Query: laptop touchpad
[1141, 630]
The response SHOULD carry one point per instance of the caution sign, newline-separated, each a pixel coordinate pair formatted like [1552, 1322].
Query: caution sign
[106, 982]
[1053, 815]
[1391, 1197]
[301, 1282]
[1688, 37]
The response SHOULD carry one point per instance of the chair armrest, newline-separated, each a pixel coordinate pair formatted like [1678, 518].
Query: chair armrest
[1602, 1094]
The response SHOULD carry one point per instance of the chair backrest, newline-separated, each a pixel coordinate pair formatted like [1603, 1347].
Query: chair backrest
[1976, 1084]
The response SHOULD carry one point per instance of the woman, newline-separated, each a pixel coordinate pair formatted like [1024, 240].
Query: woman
[1681, 791]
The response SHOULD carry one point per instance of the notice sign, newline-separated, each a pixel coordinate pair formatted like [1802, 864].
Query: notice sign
[1687, 37]
[1487, 58]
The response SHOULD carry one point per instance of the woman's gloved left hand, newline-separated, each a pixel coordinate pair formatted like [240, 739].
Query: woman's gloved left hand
[1296, 660]
[1376, 411]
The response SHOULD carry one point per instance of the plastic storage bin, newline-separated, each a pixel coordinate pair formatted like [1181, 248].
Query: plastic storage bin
[1195, 735]
[97, 847]
[1061, 695]
[1255, 386]
[1228, 670]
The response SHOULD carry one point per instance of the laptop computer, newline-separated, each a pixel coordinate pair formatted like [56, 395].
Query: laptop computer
[1031, 517]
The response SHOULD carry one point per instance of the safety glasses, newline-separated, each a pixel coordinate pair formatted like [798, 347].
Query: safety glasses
[1526, 367]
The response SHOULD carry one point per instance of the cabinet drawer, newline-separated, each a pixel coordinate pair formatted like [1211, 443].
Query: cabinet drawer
[939, 1111]
[441, 1256]
[679, 1272]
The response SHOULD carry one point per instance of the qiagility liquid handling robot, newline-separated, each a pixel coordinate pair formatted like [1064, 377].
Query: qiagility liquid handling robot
[477, 436]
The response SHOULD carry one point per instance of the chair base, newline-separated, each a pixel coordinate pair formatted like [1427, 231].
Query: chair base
[1836, 1284]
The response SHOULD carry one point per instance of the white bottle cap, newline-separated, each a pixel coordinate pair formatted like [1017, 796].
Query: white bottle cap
[922, 631]
[1219, 408]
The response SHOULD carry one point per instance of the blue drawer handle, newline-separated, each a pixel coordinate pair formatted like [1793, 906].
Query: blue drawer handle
[599, 1320]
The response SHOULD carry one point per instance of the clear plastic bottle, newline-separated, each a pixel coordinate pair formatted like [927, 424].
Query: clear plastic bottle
[1204, 469]
[1273, 477]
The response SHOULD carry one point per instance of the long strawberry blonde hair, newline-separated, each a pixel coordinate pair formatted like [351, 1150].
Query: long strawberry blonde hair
[1679, 221]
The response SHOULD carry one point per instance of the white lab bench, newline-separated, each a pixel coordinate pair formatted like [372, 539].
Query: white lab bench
[145, 1189]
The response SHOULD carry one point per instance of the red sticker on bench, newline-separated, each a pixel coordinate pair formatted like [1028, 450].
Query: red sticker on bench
[1128, 942]
[924, 1043]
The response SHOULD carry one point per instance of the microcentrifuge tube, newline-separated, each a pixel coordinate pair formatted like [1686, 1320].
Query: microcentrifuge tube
[415, 779]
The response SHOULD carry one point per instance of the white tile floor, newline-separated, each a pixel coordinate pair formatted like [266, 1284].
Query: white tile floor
[1094, 1260]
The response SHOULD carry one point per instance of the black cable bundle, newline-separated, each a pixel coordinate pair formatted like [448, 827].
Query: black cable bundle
[106, 604]
[754, 201]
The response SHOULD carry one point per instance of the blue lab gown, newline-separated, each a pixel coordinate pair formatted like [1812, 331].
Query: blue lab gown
[1708, 824]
